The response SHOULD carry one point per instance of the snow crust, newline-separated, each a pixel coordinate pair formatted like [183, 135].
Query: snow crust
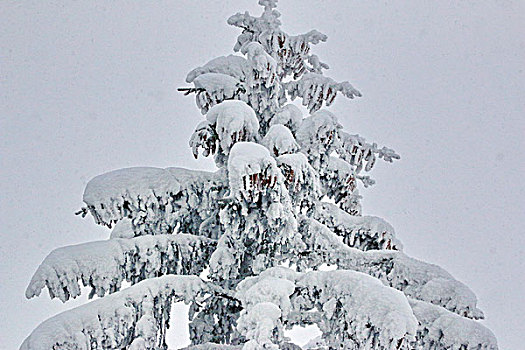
[131, 181]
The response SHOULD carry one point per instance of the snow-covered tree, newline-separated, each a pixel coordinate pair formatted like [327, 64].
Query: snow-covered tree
[247, 246]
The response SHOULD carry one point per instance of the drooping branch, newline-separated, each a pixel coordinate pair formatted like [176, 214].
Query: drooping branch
[416, 279]
[104, 265]
[135, 318]
[361, 232]
[360, 154]
[317, 90]
[157, 201]
[353, 308]
[442, 329]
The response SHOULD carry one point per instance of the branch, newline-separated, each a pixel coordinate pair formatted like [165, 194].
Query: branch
[188, 91]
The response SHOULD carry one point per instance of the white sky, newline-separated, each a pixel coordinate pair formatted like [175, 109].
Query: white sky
[90, 87]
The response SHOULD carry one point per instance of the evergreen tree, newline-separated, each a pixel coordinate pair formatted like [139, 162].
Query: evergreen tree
[247, 246]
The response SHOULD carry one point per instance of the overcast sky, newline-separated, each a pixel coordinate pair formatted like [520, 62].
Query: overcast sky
[90, 86]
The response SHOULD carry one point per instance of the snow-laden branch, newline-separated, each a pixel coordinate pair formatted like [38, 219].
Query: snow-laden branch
[301, 179]
[339, 183]
[157, 201]
[361, 232]
[442, 329]
[360, 154]
[288, 115]
[317, 90]
[258, 219]
[232, 65]
[317, 136]
[353, 308]
[279, 140]
[104, 265]
[135, 318]
[417, 279]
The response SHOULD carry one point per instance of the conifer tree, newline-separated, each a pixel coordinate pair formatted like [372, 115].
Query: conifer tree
[247, 246]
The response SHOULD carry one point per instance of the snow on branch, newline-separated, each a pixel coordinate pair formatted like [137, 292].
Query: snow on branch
[353, 308]
[252, 171]
[316, 90]
[361, 232]
[339, 183]
[232, 65]
[279, 140]
[213, 88]
[263, 65]
[442, 329]
[234, 121]
[157, 201]
[318, 136]
[290, 51]
[104, 265]
[204, 137]
[417, 279]
[290, 116]
[301, 179]
[356, 151]
[135, 318]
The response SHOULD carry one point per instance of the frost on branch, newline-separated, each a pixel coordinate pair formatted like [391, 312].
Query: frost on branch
[252, 172]
[263, 65]
[135, 318]
[262, 85]
[290, 116]
[416, 279]
[316, 90]
[291, 52]
[361, 232]
[279, 140]
[265, 304]
[104, 265]
[157, 201]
